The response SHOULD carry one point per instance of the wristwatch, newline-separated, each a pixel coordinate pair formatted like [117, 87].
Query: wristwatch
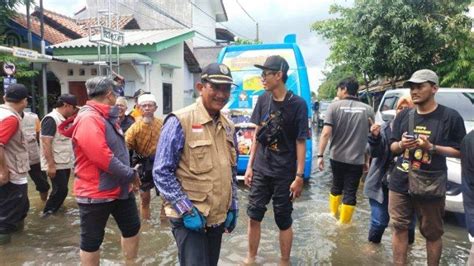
[320, 156]
[432, 150]
[300, 175]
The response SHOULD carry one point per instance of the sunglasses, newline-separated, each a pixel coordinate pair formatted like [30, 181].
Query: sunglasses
[266, 73]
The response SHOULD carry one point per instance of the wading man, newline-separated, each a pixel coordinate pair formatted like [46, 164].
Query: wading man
[195, 171]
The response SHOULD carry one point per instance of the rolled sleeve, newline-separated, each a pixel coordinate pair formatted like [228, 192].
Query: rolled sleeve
[167, 156]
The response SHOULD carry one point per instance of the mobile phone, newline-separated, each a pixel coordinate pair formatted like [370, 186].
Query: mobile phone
[291, 195]
[409, 136]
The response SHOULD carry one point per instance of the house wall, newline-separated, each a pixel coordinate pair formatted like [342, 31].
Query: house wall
[149, 15]
[168, 66]
[204, 22]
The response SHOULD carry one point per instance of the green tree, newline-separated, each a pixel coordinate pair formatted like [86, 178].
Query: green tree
[327, 90]
[7, 11]
[393, 38]
[240, 41]
[23, 70]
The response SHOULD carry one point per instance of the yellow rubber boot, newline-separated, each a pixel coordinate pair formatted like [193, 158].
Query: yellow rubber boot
[346, 213]
[334, 202]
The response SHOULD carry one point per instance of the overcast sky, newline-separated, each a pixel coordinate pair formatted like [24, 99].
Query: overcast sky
[276, 19]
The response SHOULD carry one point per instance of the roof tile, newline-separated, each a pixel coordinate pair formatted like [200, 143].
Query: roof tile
[51, 34]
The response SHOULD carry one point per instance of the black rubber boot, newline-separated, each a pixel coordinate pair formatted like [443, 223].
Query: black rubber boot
[411, 236]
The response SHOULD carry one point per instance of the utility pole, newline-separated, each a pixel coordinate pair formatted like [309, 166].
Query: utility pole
[30, 46]
[43, 65]
[257, 33]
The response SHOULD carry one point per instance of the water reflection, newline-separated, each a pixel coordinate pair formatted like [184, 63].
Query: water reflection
[318, 239]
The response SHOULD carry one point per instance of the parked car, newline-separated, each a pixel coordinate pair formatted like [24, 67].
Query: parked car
[461, 100]
[323, 106]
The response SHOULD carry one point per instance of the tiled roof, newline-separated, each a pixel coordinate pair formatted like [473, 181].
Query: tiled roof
[131, 37]
[65, 21]
[51, 34]
[77, 28]
[122, 22]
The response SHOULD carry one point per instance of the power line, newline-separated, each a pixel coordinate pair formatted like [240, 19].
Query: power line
[256, 23]
[237, 1]
[211, 17]
[164, 13]
[170, 17]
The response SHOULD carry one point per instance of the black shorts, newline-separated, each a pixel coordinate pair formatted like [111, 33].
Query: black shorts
[94, 219]
[265, 188]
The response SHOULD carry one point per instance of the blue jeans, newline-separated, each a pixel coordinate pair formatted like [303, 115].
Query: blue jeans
[379, 212]
[379, 218]
[197, 248]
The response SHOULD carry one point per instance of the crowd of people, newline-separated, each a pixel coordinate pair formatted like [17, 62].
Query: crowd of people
[190, 160]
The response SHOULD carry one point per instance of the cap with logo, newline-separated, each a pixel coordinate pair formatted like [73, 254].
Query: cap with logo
[68, 98]
[423, 75]
[217, 74]
[17, 92]
[275, 63]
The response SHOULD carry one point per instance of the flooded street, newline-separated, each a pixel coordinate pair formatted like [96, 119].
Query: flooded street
[318, 239]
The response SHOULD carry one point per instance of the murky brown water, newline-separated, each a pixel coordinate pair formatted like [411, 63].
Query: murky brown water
[318, 239]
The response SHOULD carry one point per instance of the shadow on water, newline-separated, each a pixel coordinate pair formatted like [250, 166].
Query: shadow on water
[318, 239]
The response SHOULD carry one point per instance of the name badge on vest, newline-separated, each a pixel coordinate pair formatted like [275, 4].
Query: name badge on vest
[197, 128]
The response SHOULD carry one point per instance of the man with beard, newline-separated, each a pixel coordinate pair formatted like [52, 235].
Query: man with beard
[142, 138]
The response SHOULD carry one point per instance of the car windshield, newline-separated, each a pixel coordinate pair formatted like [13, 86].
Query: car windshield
[463, 102]
[323, 106]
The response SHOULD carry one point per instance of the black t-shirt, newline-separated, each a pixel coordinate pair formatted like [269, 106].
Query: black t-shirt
[444, 126]
[279, 160]
[48, 127]
[467, 160]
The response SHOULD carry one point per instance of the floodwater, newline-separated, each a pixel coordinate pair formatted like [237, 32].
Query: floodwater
[318, 238]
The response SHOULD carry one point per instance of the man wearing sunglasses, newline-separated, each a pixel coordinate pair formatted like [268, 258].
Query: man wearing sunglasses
[195, 171]
[276, 164]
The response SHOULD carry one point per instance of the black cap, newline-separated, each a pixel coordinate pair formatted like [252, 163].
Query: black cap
[16, 92]
[217, 74]
[275, 63]
[138, 93]
[67, 98]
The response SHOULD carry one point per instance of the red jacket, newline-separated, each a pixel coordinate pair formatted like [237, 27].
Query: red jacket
[102, 160]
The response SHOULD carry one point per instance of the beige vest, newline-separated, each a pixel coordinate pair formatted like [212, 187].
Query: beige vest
[28, 125]
[62, 146]
[204, 169]
[16, 154]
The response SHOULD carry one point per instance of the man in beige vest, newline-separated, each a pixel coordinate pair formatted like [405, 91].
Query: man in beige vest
[30, 124]
[194, 170]
[57, 156]
[14, 164]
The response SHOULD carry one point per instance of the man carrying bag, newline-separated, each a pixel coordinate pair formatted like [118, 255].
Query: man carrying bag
[423, 137]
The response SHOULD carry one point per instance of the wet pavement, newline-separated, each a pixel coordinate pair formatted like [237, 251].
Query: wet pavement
[318, 238]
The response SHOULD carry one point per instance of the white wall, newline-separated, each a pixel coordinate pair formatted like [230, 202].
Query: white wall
[188, 86]
[203, 23]
[176, 76]
[147, 15]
